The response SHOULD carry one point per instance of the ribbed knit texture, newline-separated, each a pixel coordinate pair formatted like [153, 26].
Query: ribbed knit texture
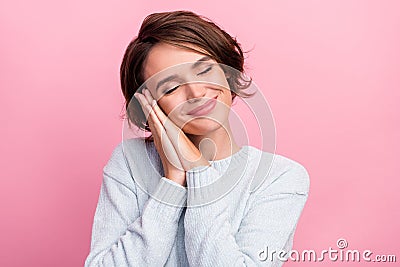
[228, 213]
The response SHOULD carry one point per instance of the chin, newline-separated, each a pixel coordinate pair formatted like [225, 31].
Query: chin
[201, 126]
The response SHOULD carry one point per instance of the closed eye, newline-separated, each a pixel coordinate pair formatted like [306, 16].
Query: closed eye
[205, 71]
[167, 92]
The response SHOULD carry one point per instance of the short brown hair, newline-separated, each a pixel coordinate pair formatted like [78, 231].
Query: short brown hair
[184, 29]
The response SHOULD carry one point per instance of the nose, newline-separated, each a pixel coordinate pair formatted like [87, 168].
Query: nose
[194, 92]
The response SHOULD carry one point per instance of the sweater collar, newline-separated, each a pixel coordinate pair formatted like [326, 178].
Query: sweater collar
[236, 159]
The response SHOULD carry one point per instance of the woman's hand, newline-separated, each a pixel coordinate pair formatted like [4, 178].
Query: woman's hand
[173, 169]
[172, 142]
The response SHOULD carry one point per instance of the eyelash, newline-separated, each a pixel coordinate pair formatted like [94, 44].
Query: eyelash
[171, 90]
[176, 87]
[205, 71]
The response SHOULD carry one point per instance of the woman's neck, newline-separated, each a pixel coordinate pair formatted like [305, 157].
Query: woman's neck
[216, 145]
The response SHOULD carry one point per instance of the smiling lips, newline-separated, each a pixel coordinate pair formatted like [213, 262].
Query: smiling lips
[205, 108]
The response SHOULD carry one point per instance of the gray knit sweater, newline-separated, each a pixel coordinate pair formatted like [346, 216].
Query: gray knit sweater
[234, 213]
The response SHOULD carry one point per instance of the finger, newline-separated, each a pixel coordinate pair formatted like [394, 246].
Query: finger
[157, 128]
[169, 151]
[165, 121]
[181, 143]
[143, 102]
[160, 114]
[139, 99]
[154, 120]
[164, 142]
[151, 119]
[148, 95]
[170, 127]
[154, 123]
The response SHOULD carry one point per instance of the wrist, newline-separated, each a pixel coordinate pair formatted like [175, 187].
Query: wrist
[177, 177]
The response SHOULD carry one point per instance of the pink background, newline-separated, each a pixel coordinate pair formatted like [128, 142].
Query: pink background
[329, 69]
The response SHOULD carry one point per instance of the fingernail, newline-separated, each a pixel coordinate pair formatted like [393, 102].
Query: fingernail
[153, 102]
[136, 95]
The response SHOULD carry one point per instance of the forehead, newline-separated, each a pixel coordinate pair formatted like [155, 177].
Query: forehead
[163, 56]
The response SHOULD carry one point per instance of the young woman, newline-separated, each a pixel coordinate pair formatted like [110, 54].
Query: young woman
[190, 195]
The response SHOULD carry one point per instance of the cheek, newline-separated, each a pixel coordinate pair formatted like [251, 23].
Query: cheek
[226, 97]
[164, 107]
[172, 110]
[169, 105]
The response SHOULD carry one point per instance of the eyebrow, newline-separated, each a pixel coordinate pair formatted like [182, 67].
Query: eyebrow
[172, 77]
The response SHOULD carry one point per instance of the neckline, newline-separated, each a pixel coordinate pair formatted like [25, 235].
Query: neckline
[236, 154]
[220, 164]
[235, 158]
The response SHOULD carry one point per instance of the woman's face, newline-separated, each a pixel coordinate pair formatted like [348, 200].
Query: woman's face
[189, 87]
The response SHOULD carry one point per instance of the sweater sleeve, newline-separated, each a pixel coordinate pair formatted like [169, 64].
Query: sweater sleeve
[121, 236]
[270, 221]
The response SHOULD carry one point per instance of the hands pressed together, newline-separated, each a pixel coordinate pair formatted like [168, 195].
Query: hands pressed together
[177, 152]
